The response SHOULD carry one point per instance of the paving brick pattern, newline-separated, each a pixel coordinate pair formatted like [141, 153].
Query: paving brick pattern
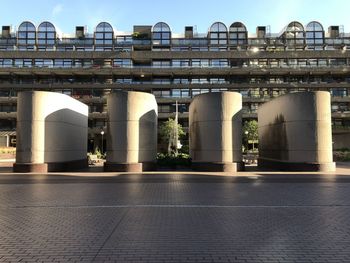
[174, 218]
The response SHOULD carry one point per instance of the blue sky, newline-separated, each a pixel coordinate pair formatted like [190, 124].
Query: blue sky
[123, 14]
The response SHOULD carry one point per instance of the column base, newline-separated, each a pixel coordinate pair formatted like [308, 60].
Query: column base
[129, 167]
[68, 166]
[30, 168]
[50, 167]
[265, 164]
[218, 167]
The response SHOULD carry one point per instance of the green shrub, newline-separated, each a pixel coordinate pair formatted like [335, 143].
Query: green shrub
[344, 149]
[181, 159]
[341, 155]
[98, 153]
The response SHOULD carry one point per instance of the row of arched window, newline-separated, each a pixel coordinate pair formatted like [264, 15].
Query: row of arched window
[237, 34]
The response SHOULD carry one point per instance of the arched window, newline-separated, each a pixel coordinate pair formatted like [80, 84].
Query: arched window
[104, 34]
[314, 33]
[294, 34]
[238, 34]
[46, 34]
[161, 34]
[26, 34]
[218, 34]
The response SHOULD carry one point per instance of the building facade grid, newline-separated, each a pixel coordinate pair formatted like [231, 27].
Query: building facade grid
[175, 67]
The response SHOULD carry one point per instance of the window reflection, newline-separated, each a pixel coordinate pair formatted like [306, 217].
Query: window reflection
[294, 34]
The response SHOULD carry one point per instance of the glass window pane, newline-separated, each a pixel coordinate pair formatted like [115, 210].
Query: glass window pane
[318, 35]
[108, 35]
[31, 35]
[41, 35]
[99, 35]
[166, 35]
[50, 35]
[156, 35]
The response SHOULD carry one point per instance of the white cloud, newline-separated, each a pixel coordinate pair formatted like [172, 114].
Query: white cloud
[57, 10]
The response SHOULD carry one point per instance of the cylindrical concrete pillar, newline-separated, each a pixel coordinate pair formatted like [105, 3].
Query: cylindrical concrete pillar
[131, 131]
[295, 132]
[51, 132]
[216, 131]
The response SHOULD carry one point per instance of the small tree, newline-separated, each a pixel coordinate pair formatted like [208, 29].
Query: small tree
[167, 134]
[250, 132]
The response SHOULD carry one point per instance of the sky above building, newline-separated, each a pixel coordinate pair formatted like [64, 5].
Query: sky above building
[124, 14]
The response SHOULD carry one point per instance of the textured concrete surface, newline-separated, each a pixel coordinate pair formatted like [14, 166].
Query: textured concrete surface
[131, 130]
[51, 128]
[260, 217]
[215, 122]
[296, 129]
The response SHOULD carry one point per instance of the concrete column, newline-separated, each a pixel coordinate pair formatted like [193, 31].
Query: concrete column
[131, 131]
[216, 131]
[51, 132]
[295, 132]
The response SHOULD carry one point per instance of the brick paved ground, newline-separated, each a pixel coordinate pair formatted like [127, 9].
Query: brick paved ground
[175, 218]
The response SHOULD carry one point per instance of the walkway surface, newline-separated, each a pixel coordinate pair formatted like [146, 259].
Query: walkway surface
[165, 217]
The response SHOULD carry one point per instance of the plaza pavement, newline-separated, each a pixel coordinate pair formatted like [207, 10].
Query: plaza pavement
[175, 217]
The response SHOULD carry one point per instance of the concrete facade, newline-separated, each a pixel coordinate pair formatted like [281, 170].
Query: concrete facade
[295, 132]
[51, 132]
[215, 121]
[131, 131]
[261, 65]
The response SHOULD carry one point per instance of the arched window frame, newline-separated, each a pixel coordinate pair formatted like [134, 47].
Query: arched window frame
[218, 34]
[294, 34]
[161, 34]
[314, 34]
[26, 34]
[46, 34]
[104, 34]
[238, 34]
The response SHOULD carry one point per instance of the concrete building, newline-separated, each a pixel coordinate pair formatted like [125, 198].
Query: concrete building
[216, 132]
[295, 132]
[131, 132]
[260, 65]
[51, 132]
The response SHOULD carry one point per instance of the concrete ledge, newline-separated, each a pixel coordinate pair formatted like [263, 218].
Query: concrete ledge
[50, 167]
[30, 168]
[149, 166]
[265, 164]
[68, 166]
[217, 167]
[122, 167]
[129, 167]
